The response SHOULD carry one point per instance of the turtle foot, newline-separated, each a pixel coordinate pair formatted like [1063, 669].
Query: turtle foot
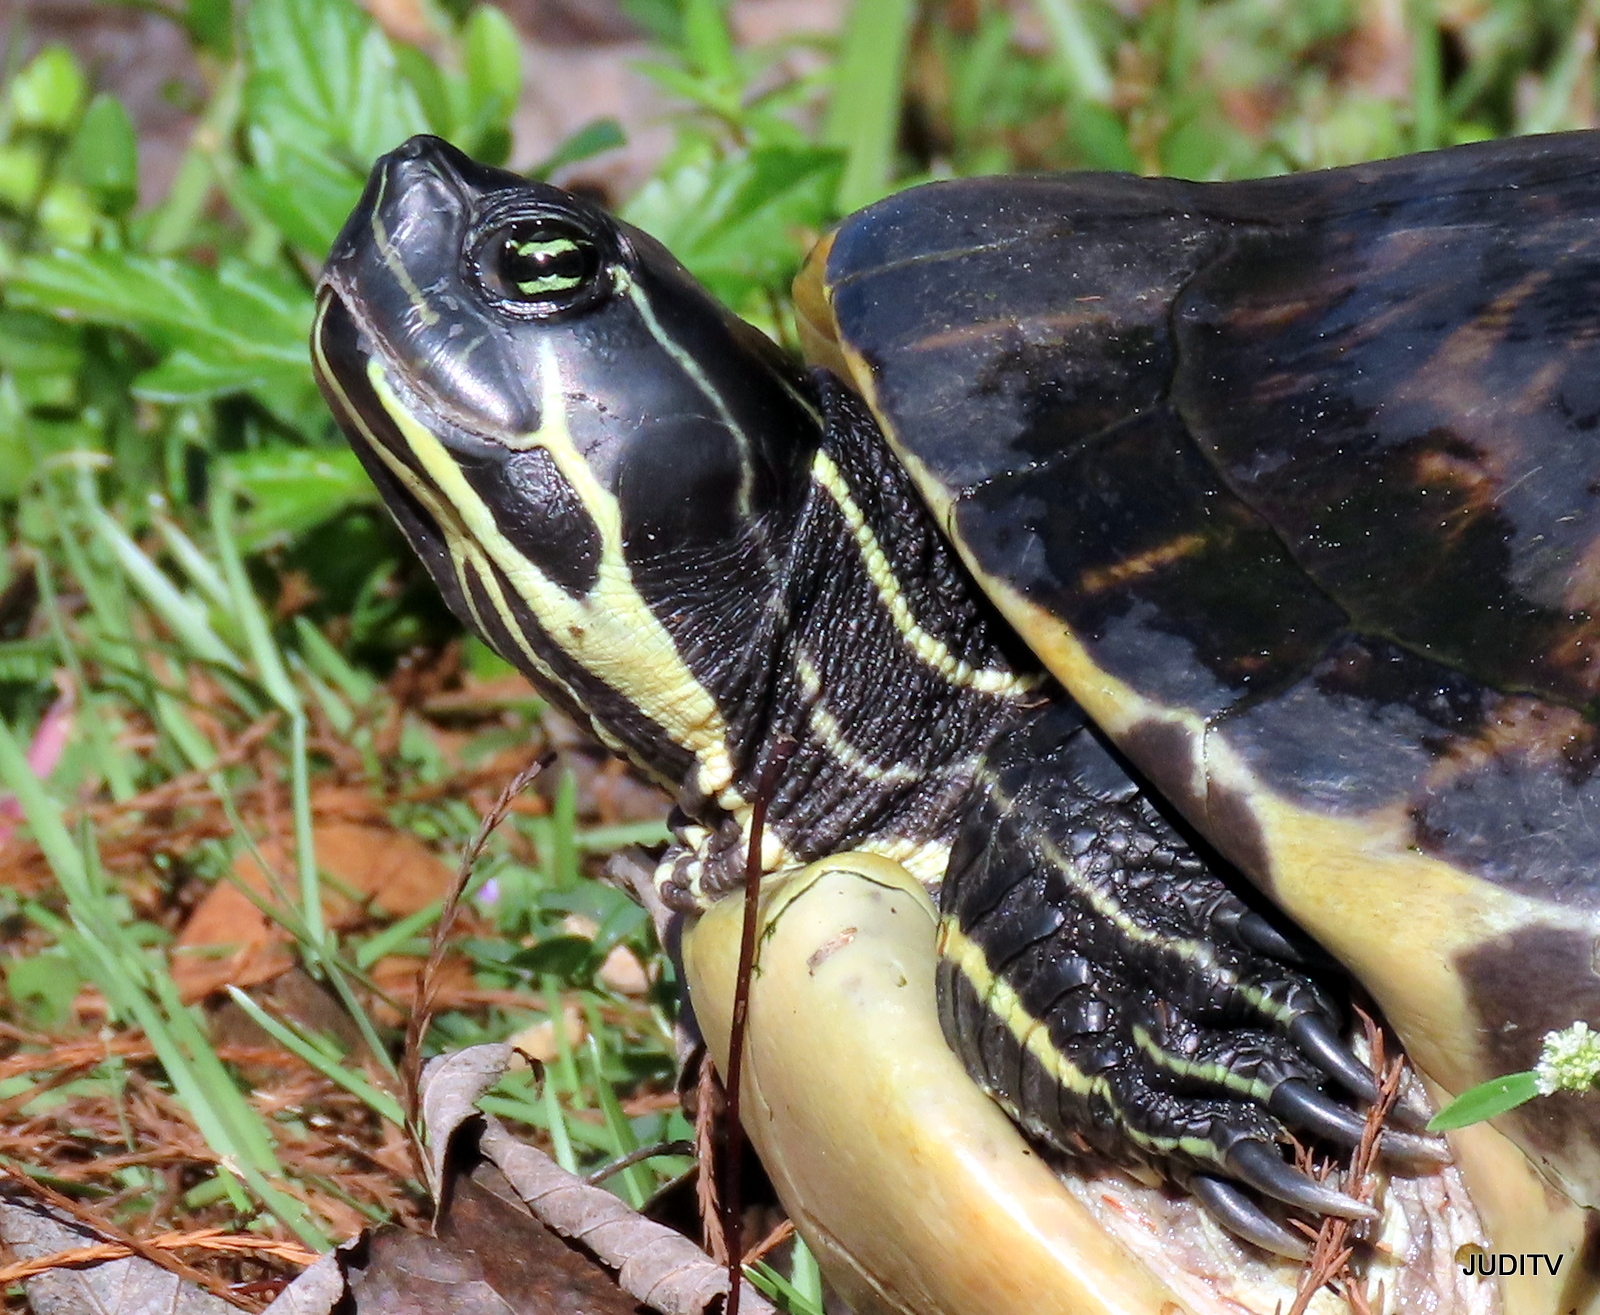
[1104, 982]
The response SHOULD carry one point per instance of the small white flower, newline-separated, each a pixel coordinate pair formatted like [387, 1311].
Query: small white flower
[1569, 1061]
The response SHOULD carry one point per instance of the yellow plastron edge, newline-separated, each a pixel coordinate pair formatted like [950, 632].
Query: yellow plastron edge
[913, 1189]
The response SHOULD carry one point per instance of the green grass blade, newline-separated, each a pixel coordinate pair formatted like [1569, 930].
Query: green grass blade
[397, 934]
[1079, 57]
[864, 113]
[635, 1186]
[270, 669]
[1427, 82]
[560, 1138]
[180, 615]
[324, 659]
[605, 839]
[563, 858]
[111, 761]
[173, 223]
[1485, 1101]
[379, 1102]
[274, 676]
[196, 565]
[566, 1066]
[805, 1276]
[44, 819]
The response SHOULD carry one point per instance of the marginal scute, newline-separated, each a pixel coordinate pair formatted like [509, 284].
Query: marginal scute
[1489, 807]
[1233, 823]
[1584, 1286]
[1169, 754]
[1522, 985]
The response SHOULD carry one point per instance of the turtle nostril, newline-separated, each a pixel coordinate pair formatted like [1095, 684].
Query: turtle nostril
[419, 161]
[414, 148]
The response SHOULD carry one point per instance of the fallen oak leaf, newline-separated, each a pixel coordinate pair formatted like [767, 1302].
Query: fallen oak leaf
[500, 1232]
[229, 941]
[655, 1264]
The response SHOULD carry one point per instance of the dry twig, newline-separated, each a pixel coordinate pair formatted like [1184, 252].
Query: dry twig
[705, 1154]
[205, 1239]
[65, 1205]
[427, 977]
[1331, 1251]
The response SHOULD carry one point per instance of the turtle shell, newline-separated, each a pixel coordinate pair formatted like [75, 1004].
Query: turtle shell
[1295, 485]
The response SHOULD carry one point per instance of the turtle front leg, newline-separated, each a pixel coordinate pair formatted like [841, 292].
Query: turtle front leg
[1119, 999]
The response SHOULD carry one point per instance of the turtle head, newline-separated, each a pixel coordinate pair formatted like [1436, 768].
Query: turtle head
[573, 434]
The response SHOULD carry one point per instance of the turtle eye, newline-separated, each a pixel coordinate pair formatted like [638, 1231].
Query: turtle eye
[543, 265]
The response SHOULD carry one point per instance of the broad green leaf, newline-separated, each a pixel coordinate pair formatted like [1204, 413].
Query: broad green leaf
[210, 23]
[66, 216]
[707, 42]
[21, 174]
[492, 62]
[663, 19]
[33, 344]
[566, 957]
[48, 981]
[175, 304]
[49, 91]
[1101, 138]
[1485, 1101]
[105, 154]
[191, 376]
[743, 222]
[324, 64]
[238, 329]
[293, 489]
[432, 87]
[590, 140]
[302, 188]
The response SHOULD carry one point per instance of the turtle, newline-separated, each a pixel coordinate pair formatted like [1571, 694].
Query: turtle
[1150, 599]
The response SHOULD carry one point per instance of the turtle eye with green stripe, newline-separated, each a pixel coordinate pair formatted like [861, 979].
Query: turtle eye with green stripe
[541, 266]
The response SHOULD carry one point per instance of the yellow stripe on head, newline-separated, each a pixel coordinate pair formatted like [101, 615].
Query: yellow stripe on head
[611, 631]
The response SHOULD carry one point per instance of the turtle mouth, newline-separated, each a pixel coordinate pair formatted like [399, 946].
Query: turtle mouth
[342, 357]
[344, 362]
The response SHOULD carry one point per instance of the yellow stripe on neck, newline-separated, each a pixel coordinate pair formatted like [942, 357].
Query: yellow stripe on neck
[927, 647]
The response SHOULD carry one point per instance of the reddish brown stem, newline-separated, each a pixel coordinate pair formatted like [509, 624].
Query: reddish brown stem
[731, 1203]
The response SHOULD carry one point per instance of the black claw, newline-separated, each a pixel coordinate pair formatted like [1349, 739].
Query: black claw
[1406, 1148]
[1259, 1165]
[1407, 1117]
[1260, 935]
[1241, 1216]
[1302, 1106]
[1317, 1039]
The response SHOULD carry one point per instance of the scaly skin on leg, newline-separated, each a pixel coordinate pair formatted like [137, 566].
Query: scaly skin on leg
[1115, 994]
